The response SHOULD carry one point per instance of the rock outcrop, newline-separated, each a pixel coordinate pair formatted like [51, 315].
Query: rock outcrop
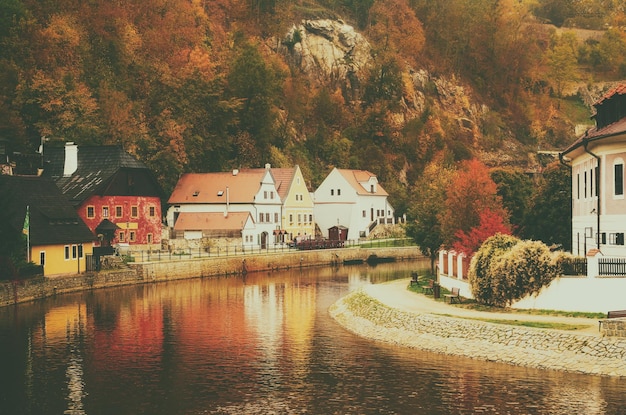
[328, 50]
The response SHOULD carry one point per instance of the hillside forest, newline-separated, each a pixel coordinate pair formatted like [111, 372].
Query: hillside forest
[452, 102]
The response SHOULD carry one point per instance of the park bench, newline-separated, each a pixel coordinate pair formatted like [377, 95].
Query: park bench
[428, 289]
[454, 295]
[415, 278]
[612, 314]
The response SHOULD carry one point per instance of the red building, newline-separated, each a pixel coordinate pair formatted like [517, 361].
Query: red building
[107, 183]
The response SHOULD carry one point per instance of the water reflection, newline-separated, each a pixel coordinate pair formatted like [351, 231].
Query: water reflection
[263, 344]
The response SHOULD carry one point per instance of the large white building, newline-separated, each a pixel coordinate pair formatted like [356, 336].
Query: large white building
[597, 162]
[352, 199]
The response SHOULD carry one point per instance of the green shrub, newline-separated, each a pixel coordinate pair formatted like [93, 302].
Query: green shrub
[479, 275]
[506, 269]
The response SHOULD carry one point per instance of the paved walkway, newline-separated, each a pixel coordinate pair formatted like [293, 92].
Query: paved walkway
[395, 294]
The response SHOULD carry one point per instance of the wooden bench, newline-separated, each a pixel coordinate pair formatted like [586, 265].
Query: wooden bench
[428, 289]
[612, 314]
[415, 279]
[454, 295]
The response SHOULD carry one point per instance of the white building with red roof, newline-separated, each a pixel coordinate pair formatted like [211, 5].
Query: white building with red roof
[597, 162]
[352, 199]
[217, 201]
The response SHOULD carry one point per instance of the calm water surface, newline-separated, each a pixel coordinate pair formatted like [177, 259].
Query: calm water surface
[255, 345]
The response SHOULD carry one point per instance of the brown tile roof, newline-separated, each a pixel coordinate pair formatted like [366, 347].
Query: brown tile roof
[356, 177]
[211, 221]
[212, 187]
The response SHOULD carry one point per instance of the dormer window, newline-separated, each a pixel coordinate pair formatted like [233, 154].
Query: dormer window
[220, 193]
[196, 193]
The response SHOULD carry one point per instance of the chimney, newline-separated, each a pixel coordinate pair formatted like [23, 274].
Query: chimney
[235, 172]
[71, 159]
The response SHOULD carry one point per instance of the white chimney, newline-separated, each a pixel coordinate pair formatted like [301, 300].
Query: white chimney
[235, 172]
[71, 159]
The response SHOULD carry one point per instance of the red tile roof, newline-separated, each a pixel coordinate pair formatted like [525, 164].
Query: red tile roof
[283, 177]
[216, 188]
[618, 90]
[188, 221]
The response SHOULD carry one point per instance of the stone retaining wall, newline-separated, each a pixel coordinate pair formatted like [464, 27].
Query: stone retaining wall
[615, 327]
[538, 348]
[138, 273]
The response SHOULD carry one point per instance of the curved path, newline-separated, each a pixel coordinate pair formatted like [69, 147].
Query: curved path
[391, 313]
[395, 294]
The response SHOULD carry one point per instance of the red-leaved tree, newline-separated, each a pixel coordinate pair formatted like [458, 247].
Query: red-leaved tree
[491, 223]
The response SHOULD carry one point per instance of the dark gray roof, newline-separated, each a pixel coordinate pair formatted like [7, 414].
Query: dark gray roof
[97, 168]
[53, 219]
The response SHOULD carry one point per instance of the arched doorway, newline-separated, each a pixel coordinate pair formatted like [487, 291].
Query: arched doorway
[264, 240]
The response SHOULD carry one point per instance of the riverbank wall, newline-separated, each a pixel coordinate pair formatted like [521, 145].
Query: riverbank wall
[14, 292]
[516, 345]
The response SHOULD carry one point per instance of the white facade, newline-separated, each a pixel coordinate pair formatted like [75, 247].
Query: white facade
[598, 186]
[251, 192]
[354, 199]
[598, 202]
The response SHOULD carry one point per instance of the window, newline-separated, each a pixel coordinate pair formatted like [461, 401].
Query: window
[152, 211]
[149, 236]
[67, 252]
[291, 219]
[332, 192]
[122, 236]
[601, 237]
[131, 236]
[271, 195]
[275, 217]
[261, 216]
[80, 251]
[91, 212]
[105, 211]
[299, 218]
[42, 258]
[364, 214]
[618, 170]
[118, 211]
[310, 218]
[267, 217]
[265, 194]
[616, 238]
[371, 188]
[585, 193]
[297, 180]
[134, 211]
[74, 251]
[338, 192]
[578, 186]
[597, 179]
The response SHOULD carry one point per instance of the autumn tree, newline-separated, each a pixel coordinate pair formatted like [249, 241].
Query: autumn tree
[490, 223]
[562, 62]
[471, 192]
[426, 209]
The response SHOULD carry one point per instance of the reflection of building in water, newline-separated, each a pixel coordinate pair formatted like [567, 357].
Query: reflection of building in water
[64, 324]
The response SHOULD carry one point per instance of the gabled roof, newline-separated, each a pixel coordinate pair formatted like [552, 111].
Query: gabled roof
[283, 177]
[188, 221]
[217, 188]
[97, 166]
[358, 179]
[52, 218]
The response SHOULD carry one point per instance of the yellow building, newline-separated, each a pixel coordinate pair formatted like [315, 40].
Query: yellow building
[55, 237]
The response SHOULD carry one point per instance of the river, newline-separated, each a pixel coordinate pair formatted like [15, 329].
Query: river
[260, 344]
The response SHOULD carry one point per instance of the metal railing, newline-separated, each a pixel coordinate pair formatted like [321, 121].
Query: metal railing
[612, 266]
